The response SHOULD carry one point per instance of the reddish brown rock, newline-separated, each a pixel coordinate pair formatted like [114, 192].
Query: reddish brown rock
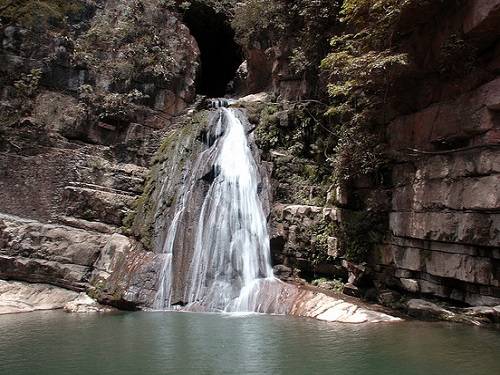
[446, 123]
[259, 67]
[482, 17]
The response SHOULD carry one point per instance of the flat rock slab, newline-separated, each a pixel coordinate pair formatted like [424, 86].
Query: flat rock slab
[84, 304]
[253, 98]
[477, 315]
[20, 297]
[322, 307]
[423, 309]
[277, 297]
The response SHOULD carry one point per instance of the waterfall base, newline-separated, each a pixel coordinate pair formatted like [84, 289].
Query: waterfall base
[272, 296]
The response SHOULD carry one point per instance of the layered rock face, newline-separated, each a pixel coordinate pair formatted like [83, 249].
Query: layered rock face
[78, 134]
[439, 200]
[444, 218]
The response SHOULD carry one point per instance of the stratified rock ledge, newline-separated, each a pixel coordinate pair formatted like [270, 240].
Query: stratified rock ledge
[312, 304]
[21, 297]
[276, 297]
[322, 307]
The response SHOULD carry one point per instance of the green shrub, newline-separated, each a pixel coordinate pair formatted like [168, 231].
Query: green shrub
[363, 64]
[457, 57]
[39, 13]
[336, 285]
[306, 26]
[28, 84]
[359, 232]
[143, 47]
[113, 106]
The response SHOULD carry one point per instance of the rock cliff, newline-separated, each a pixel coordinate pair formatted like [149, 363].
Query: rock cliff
[98, 110]
[443, 214]
[86, 99]
[434, 205]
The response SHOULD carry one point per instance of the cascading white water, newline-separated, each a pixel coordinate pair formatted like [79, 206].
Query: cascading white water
[162, 298]
[231, 255]
[230, 269]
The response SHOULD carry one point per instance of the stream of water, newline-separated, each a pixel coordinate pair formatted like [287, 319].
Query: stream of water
[56, 343]
[230, 266]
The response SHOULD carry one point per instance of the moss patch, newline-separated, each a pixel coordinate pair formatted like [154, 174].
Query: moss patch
[289, 135]
[331, 284]
[168, 163]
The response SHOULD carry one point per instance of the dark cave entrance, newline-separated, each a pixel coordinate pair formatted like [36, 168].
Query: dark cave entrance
[220, 54]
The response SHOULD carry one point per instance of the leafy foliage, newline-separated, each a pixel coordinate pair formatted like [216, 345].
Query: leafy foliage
[255, 18]
[336, 285]
[294, 128]
[28, 84]
[39, 13]
[293, 137]
[457, 57]
[140, 45]
[361, 67]
[114, 106]
[358, 233]
[21, 102]
[220, 6]
[305, 25]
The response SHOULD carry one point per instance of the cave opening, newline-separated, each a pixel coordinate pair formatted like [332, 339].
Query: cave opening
[220, 54]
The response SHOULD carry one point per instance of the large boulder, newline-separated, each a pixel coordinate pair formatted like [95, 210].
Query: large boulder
[422, 309]
[125, 275]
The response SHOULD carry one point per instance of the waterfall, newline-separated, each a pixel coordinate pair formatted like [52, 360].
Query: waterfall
[230, 268]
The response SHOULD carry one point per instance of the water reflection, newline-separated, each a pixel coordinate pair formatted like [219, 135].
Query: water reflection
[53, 343]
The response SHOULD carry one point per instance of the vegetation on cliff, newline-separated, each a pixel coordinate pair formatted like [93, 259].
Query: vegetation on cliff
[39, 13]
[150, 209]
[121, 61]
[362, 65]
[304, 26]
[356, 53]
[137, 38]
[355, 73]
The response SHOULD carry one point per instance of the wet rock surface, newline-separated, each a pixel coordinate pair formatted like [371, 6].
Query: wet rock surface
[322, 307]
[309, 302]
[478, 315]
[427, 310]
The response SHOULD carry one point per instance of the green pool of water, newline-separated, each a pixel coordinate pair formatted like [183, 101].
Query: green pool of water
[53, 343]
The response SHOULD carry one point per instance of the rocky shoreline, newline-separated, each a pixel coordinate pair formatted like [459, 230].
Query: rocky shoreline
[304, 301]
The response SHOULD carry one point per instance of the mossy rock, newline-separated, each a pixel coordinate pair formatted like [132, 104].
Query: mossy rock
[140, 222]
